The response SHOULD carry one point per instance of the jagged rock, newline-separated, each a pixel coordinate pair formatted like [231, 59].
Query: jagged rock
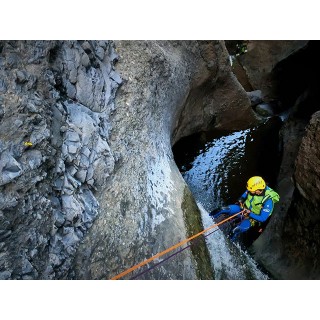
[21, 76]
[85, 61]
[5, 275]
[9, 168]
[30, 174]
[1, 112]
[3, 86]
[100, 53]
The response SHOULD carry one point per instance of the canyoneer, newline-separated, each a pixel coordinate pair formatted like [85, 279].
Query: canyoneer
[256, 204]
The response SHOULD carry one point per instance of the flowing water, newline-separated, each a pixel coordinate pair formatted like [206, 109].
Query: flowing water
[216, 166]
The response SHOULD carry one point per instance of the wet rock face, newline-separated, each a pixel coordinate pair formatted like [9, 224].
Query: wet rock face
[54, 150]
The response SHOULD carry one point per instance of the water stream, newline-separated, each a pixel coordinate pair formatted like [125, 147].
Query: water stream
[216, 166]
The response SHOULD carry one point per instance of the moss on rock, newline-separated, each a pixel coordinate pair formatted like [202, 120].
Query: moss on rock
[194, 225]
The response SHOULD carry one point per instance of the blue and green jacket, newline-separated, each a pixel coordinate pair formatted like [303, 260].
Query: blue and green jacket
[261, 206]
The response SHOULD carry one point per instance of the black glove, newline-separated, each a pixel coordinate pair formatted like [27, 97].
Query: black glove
[215, 211]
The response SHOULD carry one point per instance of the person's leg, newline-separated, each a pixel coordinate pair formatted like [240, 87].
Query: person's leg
[230, 210]
[244, 226]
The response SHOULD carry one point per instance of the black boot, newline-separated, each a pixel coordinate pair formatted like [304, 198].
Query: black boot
[216, 212]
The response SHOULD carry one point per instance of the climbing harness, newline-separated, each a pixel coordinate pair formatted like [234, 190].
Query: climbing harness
[158, 255]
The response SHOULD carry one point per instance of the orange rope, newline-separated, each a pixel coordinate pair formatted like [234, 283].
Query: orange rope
[122, 274]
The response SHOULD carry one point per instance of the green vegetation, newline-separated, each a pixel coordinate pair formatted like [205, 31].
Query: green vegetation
[194, 225]
[241, 48]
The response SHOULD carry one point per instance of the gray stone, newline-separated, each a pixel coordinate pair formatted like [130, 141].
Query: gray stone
[84, 161]
[58, 183]
[1, 112]
[103, 44]
[18, 123]
[12, 60]
[33, 158]
[85, 151]
[71, 171]
[84, 89]
[13, 166]
[60, 166]
[86, 46]
[72, 148]
[116, 77]
[85, 61]
[3, 86]
[9, 168]
[26, 266]
[49, 76]
[90, 182]
[70, 238]
[81, 175]
[90, 172]
[72, 136]
[71, 90]
[39, 134]
[264, 110]
[31, 83]
[55, 259]
[100, 53]
[59, 218]
[5, 275]
[22, 76]
[255, 97]
[73, 76]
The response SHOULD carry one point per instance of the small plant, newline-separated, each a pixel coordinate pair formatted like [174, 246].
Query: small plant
[241, 48]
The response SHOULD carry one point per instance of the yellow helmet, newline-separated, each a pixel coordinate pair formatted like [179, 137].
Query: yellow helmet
[255, 183]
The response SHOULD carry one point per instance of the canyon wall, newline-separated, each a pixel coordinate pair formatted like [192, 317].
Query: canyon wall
[88, 182]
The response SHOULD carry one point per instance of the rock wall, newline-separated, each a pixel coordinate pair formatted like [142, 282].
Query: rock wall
[302, 228]
[212, 103]
[288, 247]
[56, 99]
[261, 58]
